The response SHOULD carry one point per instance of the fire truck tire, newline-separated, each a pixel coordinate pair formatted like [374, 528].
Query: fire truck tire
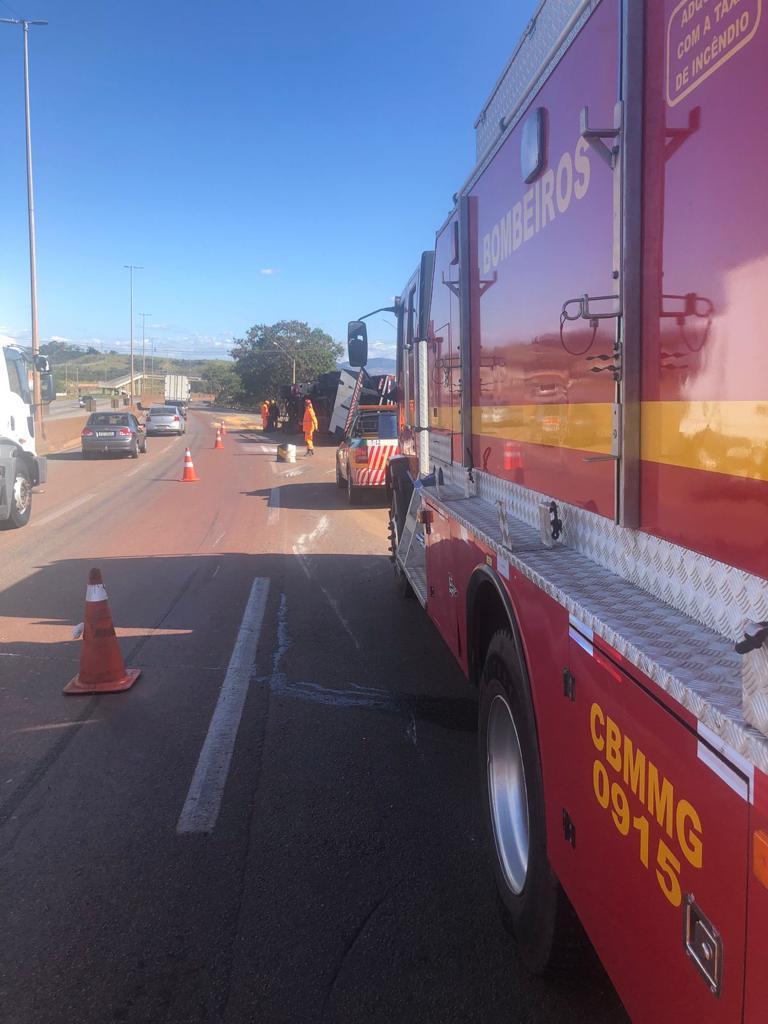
[340, 482]
[21, 500]
[532, 904]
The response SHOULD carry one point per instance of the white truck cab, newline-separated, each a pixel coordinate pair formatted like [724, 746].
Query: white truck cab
[21, 468]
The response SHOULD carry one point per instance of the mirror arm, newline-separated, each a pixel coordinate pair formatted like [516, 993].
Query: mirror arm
[383, 309]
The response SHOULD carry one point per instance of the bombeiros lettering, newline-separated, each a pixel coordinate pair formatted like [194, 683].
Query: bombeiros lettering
[623, 772]
[549, 196]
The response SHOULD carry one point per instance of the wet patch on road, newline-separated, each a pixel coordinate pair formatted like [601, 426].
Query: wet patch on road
[459, 713]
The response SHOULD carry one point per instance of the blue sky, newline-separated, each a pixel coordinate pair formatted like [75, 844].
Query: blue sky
[261, 161]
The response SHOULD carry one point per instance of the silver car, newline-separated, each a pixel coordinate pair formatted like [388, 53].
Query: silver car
[164, 419]
[108, 433]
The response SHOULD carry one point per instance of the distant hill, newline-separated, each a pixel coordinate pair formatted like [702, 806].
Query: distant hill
[374, 366]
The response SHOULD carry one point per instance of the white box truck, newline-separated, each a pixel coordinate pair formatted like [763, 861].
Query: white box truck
[177, 390]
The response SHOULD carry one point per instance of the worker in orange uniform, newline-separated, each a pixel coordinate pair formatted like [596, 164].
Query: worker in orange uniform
[265, 415]
[309, 426]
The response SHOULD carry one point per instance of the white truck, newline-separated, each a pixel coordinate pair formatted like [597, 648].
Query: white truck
[21, 468]
[177, 389]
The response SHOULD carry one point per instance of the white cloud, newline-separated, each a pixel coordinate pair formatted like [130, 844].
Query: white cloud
[267, 271]
[383, 348]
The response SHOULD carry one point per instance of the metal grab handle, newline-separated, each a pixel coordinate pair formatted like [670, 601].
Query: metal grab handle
[594, 136]
[584, 310]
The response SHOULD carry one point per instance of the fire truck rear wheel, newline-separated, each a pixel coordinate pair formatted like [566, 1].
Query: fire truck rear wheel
[533, 906]
[340, 482]
[396, 520]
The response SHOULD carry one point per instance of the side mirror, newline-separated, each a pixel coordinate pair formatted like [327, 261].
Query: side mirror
[357, 343]
[47, 391]
[41, 364]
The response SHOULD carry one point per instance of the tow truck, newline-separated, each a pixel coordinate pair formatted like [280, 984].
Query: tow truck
[363, 456]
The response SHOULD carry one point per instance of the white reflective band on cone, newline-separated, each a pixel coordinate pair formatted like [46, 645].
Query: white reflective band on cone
[95, 592]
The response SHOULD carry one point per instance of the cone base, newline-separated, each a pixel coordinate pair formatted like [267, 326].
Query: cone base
[189, 479]
[74, 686]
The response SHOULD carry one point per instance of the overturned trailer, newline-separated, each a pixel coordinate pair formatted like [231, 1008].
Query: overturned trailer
[335, 396]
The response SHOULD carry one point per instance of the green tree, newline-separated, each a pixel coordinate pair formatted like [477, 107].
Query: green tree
[264, 357]
[221, 380]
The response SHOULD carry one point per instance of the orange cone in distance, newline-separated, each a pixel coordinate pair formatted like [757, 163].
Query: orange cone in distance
[223, 429]
[219, 443]
[102, 669]
[190, 476]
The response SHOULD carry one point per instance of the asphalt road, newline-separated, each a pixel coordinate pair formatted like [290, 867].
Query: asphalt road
[64, 407]
[344, 876]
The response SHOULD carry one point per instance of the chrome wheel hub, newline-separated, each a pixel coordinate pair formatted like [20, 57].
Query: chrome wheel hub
[22, 494]
[508, 794]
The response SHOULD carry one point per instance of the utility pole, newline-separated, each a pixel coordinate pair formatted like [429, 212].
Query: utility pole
[37, 398]
[143, 349]
[290, 356]
[131, 267]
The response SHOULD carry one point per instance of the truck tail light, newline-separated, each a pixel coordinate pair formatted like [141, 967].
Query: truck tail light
[175, 419]
[86, 432]
[361, 454]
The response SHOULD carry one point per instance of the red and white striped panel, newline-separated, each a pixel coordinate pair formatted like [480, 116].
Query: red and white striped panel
[374, 474]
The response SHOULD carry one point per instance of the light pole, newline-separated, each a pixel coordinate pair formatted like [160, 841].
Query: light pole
[143, 349]
[291, 357]
[131, 267]
[38, 410]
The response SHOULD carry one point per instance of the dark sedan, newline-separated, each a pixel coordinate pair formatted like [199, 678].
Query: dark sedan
[113, 432]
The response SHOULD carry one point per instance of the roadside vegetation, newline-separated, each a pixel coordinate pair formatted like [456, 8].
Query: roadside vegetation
[265, 357]
[262, 363]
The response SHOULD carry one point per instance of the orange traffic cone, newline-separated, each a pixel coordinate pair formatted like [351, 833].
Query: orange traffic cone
[219, 443]
[102, 669]
[190, 476]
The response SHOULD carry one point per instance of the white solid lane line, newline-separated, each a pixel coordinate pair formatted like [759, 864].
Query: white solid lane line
[273, 513]
[49, 518]
[201, 808]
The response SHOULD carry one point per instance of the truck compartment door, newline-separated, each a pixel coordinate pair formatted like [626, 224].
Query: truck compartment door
[649, 839]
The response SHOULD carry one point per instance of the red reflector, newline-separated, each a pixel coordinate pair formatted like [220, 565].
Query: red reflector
[86, 433]
[175, 419]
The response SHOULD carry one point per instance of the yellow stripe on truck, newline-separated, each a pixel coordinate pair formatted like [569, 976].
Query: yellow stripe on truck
[729, 437]
[585, 427]
[717, 437]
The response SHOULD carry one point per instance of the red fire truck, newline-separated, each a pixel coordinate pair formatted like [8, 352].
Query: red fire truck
[582, 500]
